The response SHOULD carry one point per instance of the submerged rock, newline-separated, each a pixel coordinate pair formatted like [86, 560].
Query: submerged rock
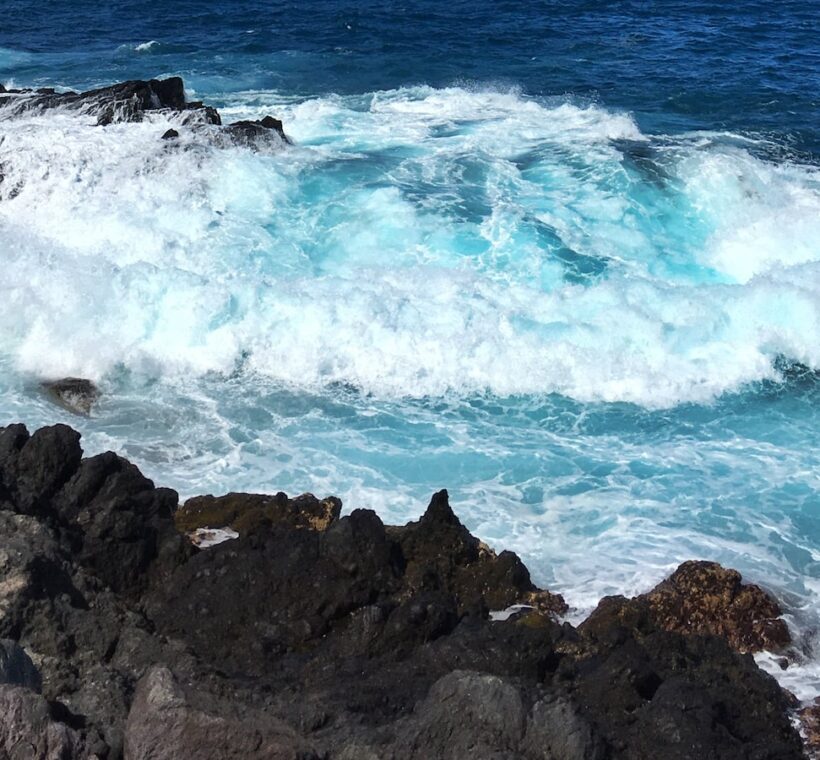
[76, 394]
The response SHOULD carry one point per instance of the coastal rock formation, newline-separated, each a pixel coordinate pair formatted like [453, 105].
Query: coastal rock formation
[135, 101]
[315, 635]
[246, 513]
[701, 598]
[126, 101]
[16, 667]
[810, 721]
[252, 132]
[76, 394]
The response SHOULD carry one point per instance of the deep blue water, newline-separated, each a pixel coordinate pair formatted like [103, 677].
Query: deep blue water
[561, 258]
[746, 66]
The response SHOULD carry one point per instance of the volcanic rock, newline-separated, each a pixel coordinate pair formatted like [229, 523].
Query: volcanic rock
[73, 393]
[16, 667]
[163, 724]
[702, 598]
[246, 513]
[254, 133]
[319, 636]
[810, 723]
[27, 729]
[126, 101]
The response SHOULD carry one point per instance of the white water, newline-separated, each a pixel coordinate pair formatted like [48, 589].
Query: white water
[384, 309]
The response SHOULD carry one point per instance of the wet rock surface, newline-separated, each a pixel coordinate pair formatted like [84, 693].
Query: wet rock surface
[76, 394]
[315, 635]
[136, 101]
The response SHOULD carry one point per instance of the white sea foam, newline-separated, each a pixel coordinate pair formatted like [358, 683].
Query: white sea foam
[313, 268]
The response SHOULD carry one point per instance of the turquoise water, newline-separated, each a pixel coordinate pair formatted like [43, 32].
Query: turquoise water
[563, 261]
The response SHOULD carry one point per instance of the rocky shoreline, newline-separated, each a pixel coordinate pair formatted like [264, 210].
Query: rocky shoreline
[316, 635]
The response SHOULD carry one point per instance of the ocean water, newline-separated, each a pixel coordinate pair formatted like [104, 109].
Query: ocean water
[560, 258]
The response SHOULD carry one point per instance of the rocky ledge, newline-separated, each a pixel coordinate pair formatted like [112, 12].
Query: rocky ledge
[313, 635]
[136, 101]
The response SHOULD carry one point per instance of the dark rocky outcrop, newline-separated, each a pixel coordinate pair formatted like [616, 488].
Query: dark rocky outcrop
[703, 598]
[810, 725]
[126, 101]
[135, 100]
[315, 635]
[254, 132]
[76, 394]
[28, 730]
[245, 513]
[16, 667]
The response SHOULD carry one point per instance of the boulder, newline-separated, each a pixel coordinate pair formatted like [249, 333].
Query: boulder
[76, 394]
[466, 714]
[27, 729]
[700, 598]
[16, 667]
[705, 598]
[164, 725]
[255, 133]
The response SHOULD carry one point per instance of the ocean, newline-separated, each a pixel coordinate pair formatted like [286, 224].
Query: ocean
[562, 259]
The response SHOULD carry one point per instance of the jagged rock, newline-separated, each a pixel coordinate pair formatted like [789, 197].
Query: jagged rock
[810, 726]
[33, 468]
[245, 512]
[73, 393]
[16, 667]
[163, 725]
[32, 574]
[466, 714]
[124, 524]
[276, 590]
[27, 729]
[132, 101]
[125, 101]
[438, 549]
[253, 133]
[340, 637]
[702, 598]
